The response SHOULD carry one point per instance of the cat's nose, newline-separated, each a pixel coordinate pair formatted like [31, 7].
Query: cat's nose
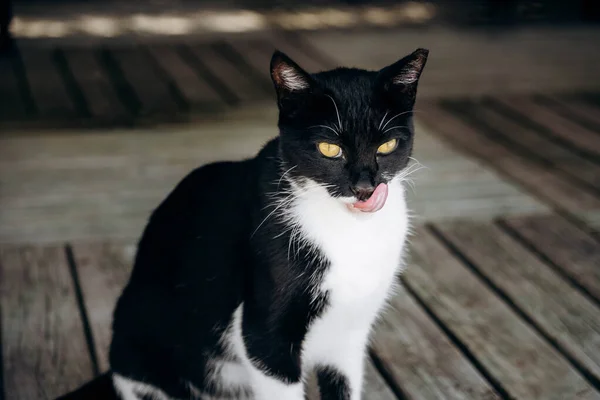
[363, 190]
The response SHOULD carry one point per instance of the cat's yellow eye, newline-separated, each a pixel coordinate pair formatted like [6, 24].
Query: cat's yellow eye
[330, 150]
[387, 147]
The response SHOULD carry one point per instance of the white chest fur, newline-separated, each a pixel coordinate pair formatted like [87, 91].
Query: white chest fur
[364, 253]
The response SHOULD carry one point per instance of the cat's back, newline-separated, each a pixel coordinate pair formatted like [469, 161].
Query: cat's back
[188, 272]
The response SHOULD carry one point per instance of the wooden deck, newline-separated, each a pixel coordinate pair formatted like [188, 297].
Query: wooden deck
[502, 309]
[501, 298]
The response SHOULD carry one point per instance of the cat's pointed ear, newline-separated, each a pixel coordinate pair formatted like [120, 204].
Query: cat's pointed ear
[402, 77]
[288, 77]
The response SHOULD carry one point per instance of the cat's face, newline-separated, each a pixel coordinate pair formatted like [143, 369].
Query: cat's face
[349, 130]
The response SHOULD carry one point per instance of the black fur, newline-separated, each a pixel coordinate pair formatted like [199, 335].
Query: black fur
[332, 384]
[212, 244]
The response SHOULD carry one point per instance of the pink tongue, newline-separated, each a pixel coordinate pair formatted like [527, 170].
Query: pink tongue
[375, 202]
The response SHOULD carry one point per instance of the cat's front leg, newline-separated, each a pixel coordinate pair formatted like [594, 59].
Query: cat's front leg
[267, 387]
[340, 375]
[275, 370]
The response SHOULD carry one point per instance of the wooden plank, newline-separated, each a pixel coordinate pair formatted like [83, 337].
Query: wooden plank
[12, 105]
[300, 51]
[44, 350]
[410, 347]
[585, 113]
[196, 91]
[150, 89]
[257, 53]
[47, 86]
[573, 251]
[375, 387]
[101, 97]
[231, 76]
[548, 186]
[561, 312]
[576, 135]
[103, 270]
[517, 358]
[536, 145]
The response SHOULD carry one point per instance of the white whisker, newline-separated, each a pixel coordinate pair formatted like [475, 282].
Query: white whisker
[284, 202]
[382, 119]
[394, 117]
[283, 175]
[395, 127]
[337, 111]
[326, 127]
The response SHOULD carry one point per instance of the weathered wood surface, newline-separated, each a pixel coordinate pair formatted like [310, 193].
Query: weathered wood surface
[47, 86]
[101, 98]
[421, 359]
[257, 54]
[536, 146]
[43, 345]
[301, 52]
[572, 251]
[149, 88]
[12, 104]
[103, 270]
[564, 315]
[551, 188]
[198, 93]
[527, 367]
[231, 75]
[584, 112]
[570, 132]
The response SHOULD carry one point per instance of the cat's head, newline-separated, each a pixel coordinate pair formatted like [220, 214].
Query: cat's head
[349, 130]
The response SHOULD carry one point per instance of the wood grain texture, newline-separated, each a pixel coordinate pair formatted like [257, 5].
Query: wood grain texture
[196, 91]
[257, 53]
[551, 188]
[520, 361]
[568, 247]
[528, 141]
[300, 53]
[47, 86]
[12, 104]
[421, 359]
[230, 75]
[565, 315]
[569, 131]
[103, 270]
[101, 97]
[150, 88]
[375, 387]
[44, 350]
[572, 107]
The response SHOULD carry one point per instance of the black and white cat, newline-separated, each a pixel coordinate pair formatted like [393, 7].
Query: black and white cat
[251, 274]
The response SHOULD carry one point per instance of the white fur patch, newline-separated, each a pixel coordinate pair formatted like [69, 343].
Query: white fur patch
[128, 389]
[365, 254]
[263, 386]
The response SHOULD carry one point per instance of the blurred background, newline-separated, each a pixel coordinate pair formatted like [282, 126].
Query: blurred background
[106, 105]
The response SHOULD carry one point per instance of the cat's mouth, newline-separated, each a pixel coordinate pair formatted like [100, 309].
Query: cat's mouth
[373, 203]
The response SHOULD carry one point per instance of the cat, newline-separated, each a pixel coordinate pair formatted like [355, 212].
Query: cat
[252, 274]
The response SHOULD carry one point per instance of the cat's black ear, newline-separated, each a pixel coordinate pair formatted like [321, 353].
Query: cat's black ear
[403, 76]
[288, 77]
